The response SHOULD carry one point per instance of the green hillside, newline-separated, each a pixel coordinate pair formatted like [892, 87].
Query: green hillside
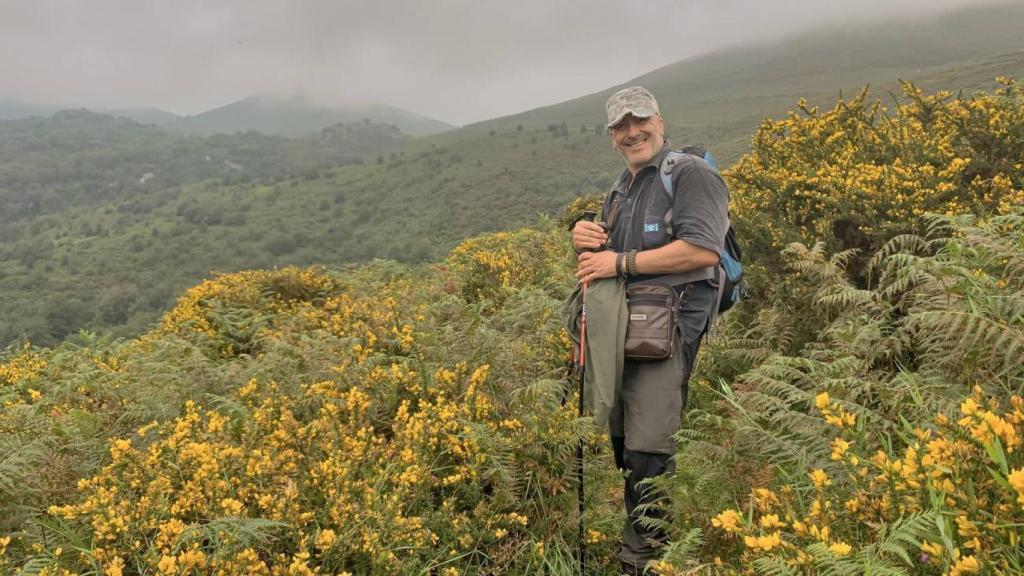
[719, 97]
[861, 414]
[87, 244]
[97, 210]
[77, 156]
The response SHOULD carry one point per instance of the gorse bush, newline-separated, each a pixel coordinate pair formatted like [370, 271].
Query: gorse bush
[948, 503]
[329, 478]
[862, 416]
[856, 175]
[492, 265]
[345, 433]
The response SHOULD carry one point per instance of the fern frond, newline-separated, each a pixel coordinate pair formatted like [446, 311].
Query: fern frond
[773, 566]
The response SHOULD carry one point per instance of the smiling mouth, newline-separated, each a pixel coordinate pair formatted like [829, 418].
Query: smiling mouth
[639, 143]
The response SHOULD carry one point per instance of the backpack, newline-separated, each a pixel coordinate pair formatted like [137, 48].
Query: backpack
[731, 286]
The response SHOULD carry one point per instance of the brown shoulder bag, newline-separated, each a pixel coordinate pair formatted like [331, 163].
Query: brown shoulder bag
[652, 327]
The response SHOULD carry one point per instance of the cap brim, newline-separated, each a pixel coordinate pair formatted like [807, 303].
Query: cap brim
[637, 113]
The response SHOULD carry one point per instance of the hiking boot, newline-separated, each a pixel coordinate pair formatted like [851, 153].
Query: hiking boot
[630, 569]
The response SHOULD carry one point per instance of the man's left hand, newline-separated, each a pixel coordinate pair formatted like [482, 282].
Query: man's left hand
[594, 265]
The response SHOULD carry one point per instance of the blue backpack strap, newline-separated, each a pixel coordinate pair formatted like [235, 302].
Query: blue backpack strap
[728, 267]
[670, 161]
[668, 164]
[711, 160]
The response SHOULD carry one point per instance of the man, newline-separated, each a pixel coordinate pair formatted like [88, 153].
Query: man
[647, 413]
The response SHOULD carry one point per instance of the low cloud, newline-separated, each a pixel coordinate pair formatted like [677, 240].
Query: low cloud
[457, 60]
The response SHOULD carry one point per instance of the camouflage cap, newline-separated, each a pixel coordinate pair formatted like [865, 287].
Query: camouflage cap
[634, 100]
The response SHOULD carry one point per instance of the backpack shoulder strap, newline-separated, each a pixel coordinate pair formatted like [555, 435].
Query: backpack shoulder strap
[667, 165]
[673, 158]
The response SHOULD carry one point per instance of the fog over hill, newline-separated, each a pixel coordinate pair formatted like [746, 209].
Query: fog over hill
[717, 92]
[459, 61]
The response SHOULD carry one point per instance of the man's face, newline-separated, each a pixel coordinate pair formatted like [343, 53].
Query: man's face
[638, 139]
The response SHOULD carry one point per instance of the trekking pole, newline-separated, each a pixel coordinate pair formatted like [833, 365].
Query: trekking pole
[579, 444]
[582, 367]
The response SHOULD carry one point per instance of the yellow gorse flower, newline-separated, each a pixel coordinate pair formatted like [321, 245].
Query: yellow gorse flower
[1016, 480]
[839, 448]
[820, 478]
[932, 549]
[728, 520]
[765, 543]
[840, 548]
[769, 521]
[25, 366]
[822, 401]
[114, 568]
[764, 499]
[965, 565]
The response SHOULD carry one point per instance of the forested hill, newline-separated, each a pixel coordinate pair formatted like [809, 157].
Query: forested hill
[104, 221]
[78, 158]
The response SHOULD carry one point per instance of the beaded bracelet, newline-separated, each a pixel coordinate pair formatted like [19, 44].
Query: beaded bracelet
[631, 263]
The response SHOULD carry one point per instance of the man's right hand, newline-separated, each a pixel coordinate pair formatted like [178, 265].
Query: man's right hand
[588, 236]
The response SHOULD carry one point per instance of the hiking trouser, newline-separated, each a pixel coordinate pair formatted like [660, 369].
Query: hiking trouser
[642, 425]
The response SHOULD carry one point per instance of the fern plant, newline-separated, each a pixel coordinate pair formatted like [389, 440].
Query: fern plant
[939, 319]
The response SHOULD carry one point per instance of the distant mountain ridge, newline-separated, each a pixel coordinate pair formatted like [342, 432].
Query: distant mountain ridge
[12, 110]
[292, 117]
[298, 116]
[142, 115]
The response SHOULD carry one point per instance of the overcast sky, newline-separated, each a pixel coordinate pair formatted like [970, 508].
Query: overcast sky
[455, 60]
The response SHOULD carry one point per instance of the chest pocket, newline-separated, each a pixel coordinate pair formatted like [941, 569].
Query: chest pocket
[655, 233]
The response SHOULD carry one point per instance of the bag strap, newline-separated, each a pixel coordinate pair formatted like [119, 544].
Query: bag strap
[669, 163]
[721, 277]
[667, 166]
[706, 273]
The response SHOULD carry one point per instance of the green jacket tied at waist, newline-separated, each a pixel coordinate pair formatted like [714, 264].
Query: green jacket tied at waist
[607, 317]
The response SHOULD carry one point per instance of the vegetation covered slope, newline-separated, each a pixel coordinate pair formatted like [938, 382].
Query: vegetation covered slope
[721, 97]
[393, 419]
[102, 231]
[95, 209]
[87, 244]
